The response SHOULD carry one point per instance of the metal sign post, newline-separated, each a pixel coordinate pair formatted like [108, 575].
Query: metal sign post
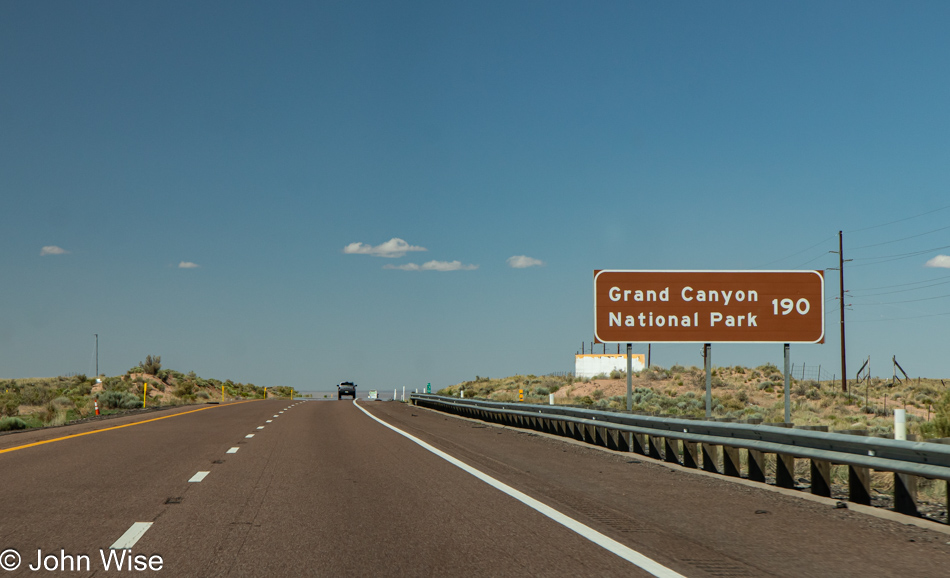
[629, 377]
[788, 395]
[707, 362]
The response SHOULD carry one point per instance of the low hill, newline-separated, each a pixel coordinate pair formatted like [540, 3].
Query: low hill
[37, 402]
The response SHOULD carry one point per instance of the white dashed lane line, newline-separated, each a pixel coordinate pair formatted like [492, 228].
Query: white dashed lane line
[260, 427]
[131, 536]
[269, 421]
[199, 476]
[249, 435]
[233, 450]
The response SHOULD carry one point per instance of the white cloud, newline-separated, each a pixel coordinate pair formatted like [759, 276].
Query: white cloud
[523, 262]
[434, 266]
[942, 261]
[188, 265]
[392, 248]
[52, 250]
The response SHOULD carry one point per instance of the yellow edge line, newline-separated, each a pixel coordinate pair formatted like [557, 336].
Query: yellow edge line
[95, 431]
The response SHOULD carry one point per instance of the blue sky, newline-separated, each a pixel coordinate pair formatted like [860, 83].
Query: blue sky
[257, 142]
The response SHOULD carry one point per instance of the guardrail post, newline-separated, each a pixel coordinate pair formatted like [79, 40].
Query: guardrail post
[690, 458]
[711, 458]
[623, 441]
[821, 478]
[600, 436]
[730, 462]
[859, 485]
[655, 443]
[611, 438]
[670, 453]
[905, 494]
[785, 470]
[590, 434]
[639, 443]
[756, 466]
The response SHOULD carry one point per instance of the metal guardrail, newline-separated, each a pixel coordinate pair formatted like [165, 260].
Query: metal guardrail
[660, 437]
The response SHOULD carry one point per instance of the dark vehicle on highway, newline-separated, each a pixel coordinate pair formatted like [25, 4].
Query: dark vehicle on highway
[346, 388]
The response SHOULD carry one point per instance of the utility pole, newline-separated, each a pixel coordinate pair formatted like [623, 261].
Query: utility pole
[841, 262]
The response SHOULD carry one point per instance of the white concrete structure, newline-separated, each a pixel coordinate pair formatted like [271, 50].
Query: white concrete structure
[591, 364]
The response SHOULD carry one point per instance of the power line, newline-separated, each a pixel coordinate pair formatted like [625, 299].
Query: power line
[901, 284]
[811, 260]
[899, 220]
[908, 300]
[798, 253]
[898, 318]
[899, 256]
[901, 239]
[902, 290]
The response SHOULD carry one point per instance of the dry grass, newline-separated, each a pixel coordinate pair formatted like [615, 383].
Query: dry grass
[738, 392]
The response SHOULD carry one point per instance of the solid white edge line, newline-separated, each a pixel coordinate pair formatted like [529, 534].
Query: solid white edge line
[233, 450]
[131, 536]
[605, 542]
[199, 476]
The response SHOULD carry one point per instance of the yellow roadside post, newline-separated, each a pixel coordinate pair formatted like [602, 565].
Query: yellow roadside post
[265, 392]
[144, 392]
[222, 393]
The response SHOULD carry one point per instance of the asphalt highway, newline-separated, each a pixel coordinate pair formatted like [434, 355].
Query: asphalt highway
[320, 488]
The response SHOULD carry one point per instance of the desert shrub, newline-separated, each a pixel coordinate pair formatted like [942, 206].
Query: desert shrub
[151, 365]
[185, 389]
[35, 394]
[62, 402]
[739, 369]
[766, 385]
[768, 368]
[597, 394]
[205, 395]
[939, 426]
[119, 400]
[813, 394]
[540, 391]
[600, 376]
[114, 384]
[586, 400]
[12, 423]
[677, 369]
[649, 375]
[617, 374]
[9, 404]
[743, 396]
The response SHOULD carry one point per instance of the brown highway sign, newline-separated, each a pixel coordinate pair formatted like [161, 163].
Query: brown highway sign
[709, 306]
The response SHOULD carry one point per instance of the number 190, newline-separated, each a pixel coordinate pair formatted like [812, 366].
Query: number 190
[802, 306]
